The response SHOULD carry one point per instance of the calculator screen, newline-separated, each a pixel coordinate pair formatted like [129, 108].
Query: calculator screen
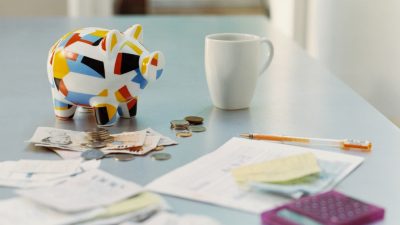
[296, 217]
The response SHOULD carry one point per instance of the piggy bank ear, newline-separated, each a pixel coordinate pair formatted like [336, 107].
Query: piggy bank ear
[135, 32]
[152, 65]
[109, 43]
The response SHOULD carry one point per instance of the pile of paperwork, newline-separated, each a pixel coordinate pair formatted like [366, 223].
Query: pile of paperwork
[93, 197]
[37, 173]
[209, 178]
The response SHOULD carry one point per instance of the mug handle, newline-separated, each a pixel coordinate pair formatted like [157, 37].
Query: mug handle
[270, 55]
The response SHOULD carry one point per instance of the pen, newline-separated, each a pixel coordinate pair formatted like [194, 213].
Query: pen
[345, 144]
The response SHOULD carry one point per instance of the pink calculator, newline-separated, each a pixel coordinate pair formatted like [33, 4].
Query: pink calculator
[329, 208]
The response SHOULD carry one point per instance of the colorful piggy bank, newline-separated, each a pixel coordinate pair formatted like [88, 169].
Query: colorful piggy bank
[101, 69]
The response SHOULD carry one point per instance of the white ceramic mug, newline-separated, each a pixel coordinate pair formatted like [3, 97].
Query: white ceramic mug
[232, 63]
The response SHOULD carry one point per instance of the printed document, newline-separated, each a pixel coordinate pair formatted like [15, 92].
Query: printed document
[209, 178]
[85, 191]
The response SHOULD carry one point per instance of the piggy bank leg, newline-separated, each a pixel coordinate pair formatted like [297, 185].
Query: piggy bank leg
[63, 110]
[105, 110]
[106, 114]
[128, 109]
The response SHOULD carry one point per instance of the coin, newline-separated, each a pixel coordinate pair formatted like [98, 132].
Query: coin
[197, 128]
[96, 144]
[196, 120]
[124, 157]
[184, 134]
[160, 156]
[92, 154]
[98, 137]
[179, 124]
[159, 148]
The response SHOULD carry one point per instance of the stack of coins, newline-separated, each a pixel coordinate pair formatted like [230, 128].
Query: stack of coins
[190, 124]
[179, 124]
[194, 120]
[98, 138]
[195, 123]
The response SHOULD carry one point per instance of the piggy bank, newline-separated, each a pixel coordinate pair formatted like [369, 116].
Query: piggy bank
[101, 69]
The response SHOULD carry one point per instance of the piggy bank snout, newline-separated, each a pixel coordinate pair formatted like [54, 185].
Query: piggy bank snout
[152, 65]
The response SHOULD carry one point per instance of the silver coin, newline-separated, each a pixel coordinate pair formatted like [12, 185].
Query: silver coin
[197, 128]
[92, 154]
[161, 156]
[179, 124]
[96, 144]
[124, 157]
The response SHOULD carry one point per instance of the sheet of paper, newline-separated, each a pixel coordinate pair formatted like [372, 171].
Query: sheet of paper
[47, 166]
[278, 170]
[67, 154]
[164, 141]
[59, 138]
[132, 204]
[85, 191]
[209, 178]
[139, 215]
[20, 211]
[167, 218]
[37, 173]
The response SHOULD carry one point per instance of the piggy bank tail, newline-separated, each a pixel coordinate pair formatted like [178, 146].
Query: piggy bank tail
[152, 65]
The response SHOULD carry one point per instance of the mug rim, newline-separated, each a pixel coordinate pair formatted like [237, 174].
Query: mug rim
[213, 37]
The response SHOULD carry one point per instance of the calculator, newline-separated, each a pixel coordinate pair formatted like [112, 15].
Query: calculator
[329, 208]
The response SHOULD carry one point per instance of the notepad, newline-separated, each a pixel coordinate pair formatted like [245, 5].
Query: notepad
[279, 170]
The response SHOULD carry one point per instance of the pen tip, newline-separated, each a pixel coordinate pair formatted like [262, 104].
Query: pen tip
[245, 135]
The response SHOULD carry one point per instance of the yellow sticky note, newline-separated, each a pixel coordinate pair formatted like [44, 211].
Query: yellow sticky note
[278, 170]
[130, 205]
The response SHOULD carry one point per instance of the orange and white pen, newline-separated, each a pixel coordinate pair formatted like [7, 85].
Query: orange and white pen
[345, 144]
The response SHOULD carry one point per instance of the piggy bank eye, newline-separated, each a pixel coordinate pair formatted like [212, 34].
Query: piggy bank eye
[125, 63]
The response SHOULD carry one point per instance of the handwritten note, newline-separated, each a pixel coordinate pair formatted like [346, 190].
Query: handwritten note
[278, 170]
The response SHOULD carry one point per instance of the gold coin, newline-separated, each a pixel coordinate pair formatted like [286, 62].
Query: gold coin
[159, 148]
[196, 120]
[184, 134]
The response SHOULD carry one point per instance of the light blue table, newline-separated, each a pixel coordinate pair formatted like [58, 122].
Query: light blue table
[297, 96]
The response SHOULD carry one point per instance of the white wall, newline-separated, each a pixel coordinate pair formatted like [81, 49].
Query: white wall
[33, 7]
[204, 3]
[359, 40]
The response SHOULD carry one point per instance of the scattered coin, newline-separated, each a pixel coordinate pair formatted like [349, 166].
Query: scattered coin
[159, 148]
[160, 156]
[197, 128]
[111, 155]
[92, 154]
[184, 134]
[195, 120]
[96, 144]
[179, 124]
[124, 157]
